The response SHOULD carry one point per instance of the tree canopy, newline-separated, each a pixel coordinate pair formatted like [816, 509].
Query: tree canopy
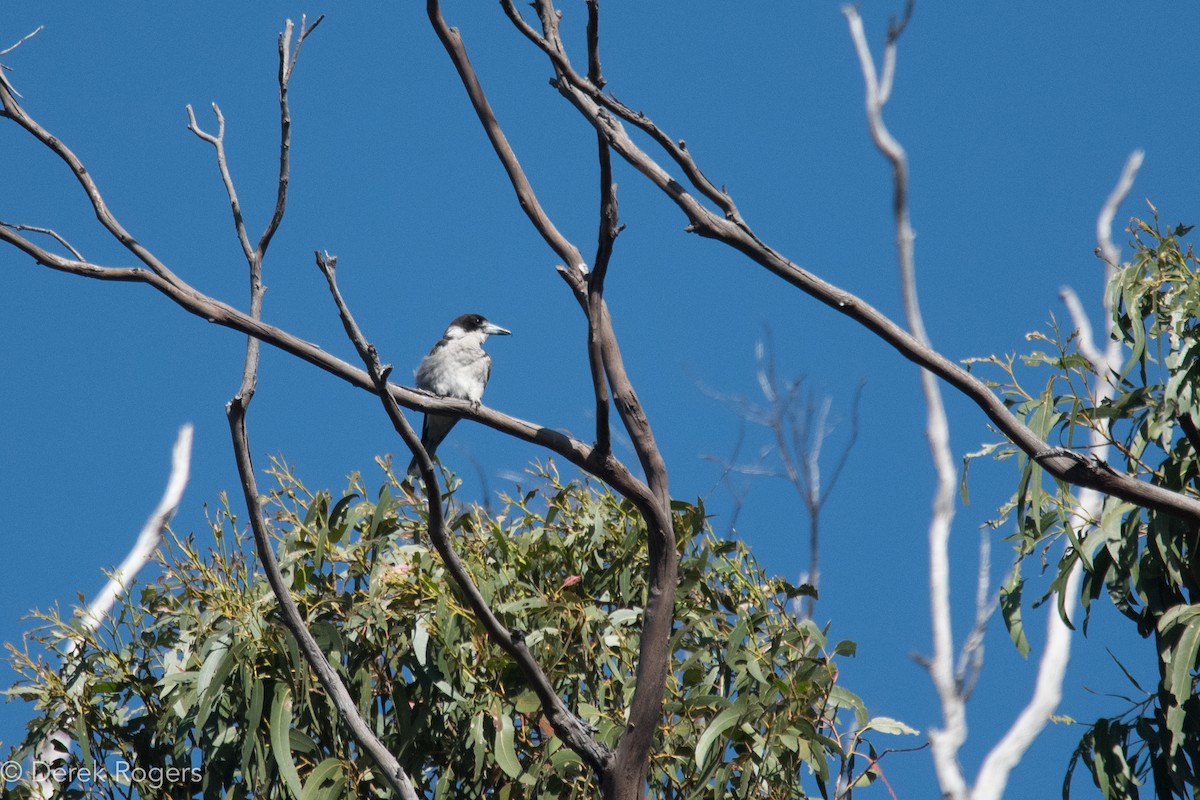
[195, 668]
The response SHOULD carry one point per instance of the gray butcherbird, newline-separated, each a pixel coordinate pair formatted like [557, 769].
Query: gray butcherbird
[457, 366]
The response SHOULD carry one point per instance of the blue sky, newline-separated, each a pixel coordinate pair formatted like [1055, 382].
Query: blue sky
[1017, 118]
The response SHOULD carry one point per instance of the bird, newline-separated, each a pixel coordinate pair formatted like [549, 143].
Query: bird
[458, 367]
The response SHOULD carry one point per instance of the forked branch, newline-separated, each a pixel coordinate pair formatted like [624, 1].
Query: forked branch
[999, 763]
[626, 775]
[947, 740]
[569, 727]
[390, 768]
[393, 774]
[606, 115]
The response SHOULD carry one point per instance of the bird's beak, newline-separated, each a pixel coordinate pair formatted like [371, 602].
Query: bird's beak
[495, 330]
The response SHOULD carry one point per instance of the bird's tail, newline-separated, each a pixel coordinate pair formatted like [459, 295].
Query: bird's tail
[413, 470]
[432, 433]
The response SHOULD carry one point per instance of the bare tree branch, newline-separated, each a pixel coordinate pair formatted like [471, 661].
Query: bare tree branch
[1104, 220]
[45, 231]
[1110, 254]
[625, 777]
[946, 741]
[389, 767]
[150, 537]
[22, 40]
[4, 80]
[610, 228]
[218, 142]
[254, 255]
[1086, 342]
[452, 41]
[996, 767]
[677, 151]
[570, 728]
[393, 774]
[799, 438]
[56, 746]
[605, 113]
[287, 65]
[970, 655]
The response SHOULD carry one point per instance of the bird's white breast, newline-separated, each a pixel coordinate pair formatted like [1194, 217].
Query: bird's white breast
[456, 368]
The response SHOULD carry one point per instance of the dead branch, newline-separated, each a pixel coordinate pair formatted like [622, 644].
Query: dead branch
[947, 740]
[573, 730]
[46, 232]
[55, 746]
[628, 768]
[22, 40]
[609, 229]
[1000, 761]
[389, 767]
[606, 114]
[799, 436]
[393, 774]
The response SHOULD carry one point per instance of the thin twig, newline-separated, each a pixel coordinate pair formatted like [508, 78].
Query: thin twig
[217, 140]
[730, 467]
[288, 57]
[4, 67]
[676, 149]
[47, 232]
[22, 40]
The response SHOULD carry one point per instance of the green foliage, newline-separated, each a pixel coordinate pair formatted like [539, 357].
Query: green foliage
[1144, 562]
[197, 671]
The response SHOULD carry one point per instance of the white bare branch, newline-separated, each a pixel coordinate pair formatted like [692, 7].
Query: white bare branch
[947, 740]
[22, 40]
[993, 774]
[1087, 342]
[1110, 252]
[56, 745]
[151, 534]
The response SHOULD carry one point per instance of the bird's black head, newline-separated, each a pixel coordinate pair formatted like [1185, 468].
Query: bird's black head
[469, 322]
[475, 323]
